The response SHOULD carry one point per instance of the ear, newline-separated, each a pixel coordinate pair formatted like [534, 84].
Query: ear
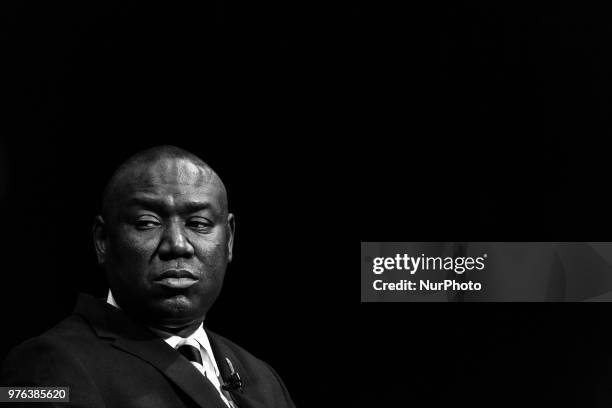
[231, 230]
[99, 238]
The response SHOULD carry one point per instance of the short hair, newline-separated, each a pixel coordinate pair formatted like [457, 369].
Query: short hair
[148, 156]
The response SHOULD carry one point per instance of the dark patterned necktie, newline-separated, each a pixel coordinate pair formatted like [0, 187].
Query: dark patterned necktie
[190, 353]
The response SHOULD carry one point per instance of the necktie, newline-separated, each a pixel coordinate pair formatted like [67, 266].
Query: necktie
[190, 353]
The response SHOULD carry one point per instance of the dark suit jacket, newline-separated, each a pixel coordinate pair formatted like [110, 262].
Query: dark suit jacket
[109, 360]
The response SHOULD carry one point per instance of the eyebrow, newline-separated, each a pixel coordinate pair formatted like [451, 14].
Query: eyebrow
[160, 205]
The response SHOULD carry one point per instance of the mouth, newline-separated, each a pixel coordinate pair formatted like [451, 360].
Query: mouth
[176, 279]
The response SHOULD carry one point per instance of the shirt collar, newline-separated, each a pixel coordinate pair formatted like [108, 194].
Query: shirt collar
[111, 300]
[199, 336]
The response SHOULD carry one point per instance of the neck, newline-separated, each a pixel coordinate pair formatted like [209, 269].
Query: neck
[184, 331]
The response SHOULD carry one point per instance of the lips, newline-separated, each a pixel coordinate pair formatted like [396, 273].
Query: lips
[176, 279]
[176, 273]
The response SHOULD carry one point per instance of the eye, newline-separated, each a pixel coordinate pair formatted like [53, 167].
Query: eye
[144, 223]
[199, 224]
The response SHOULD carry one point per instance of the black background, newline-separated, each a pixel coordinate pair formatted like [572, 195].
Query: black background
[491, 123]
[329, 124]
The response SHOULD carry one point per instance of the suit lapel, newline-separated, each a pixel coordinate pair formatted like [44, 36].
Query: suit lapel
[175, 367]
[135, 339]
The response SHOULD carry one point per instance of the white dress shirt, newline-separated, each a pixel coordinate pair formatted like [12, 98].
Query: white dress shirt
[200, 341]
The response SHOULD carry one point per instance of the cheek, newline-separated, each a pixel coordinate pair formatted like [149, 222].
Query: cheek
[213, 256]
[132, 248]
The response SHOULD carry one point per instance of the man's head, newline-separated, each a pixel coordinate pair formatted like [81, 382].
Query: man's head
[165, 237]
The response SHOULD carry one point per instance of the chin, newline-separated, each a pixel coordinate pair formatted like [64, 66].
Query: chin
[180, 311]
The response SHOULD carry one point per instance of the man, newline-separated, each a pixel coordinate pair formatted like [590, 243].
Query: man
[164, 237]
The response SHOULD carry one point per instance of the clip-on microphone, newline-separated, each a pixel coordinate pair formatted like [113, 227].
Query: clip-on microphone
[234, 382]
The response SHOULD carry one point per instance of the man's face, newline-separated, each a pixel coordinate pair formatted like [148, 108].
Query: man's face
[168, 242]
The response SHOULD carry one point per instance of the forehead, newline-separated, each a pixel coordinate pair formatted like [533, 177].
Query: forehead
[172, 179]
[171, 171]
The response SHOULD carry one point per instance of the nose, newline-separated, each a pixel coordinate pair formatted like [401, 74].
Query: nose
[174, 244]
